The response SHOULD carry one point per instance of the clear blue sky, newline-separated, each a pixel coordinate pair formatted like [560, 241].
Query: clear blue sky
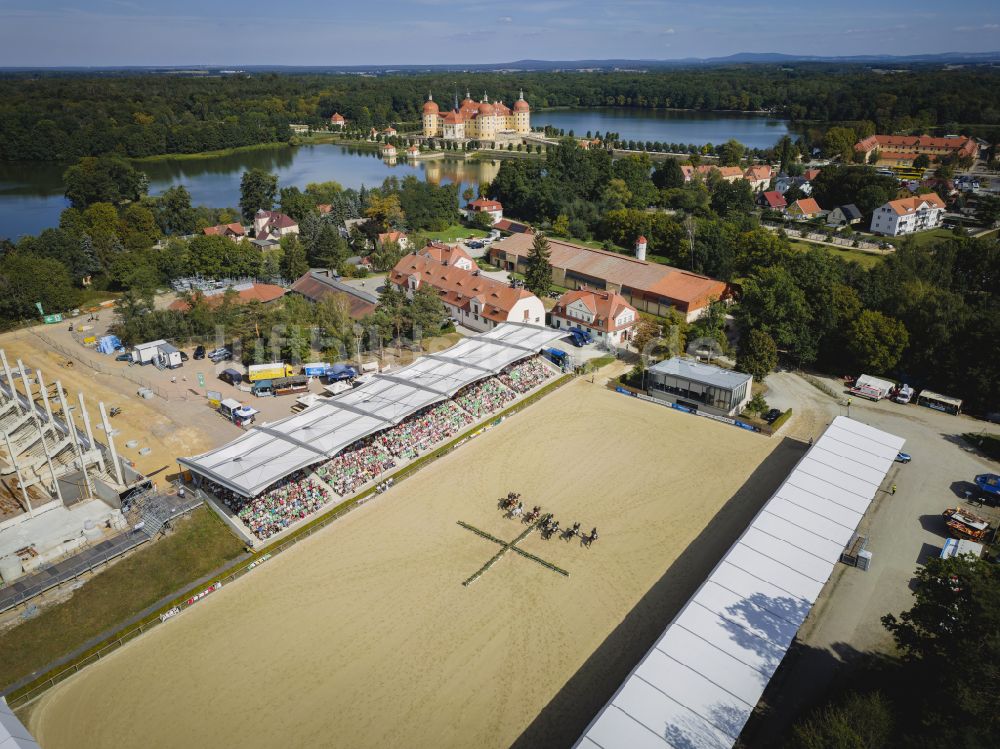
[335, 32]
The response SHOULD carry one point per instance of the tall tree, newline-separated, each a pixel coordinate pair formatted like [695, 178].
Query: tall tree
[257, 191]
[668, 175]
[294, 262]
[538, 272]
[174, 212]
[758, 355]
[105, 179]
[877, 341]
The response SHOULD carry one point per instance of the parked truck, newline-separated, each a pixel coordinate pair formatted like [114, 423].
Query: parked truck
[237, 413]
[272, 371]
[146, 353]
[580, 337]
[989, 485]
[872, 388]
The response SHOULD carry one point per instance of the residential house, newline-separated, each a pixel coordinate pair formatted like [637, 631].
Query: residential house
[810, 174]
[337, 121]
[474, 300]
[649, 287]
[759, 177]
[844, 215]
[320, 283]
[234, 232]
[908, 215]
[726, 173]
[396, 237]
[604, 314]
[772, 200]
[272, 225]
[389, 131]
[804, 208]
[783, 183]
[483, 205]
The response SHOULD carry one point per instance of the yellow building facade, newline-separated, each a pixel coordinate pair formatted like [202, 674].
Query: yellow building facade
[473, 120]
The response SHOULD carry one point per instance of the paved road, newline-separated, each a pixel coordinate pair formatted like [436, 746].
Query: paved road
[904, 530]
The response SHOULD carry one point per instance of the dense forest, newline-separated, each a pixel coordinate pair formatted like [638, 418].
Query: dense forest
[65, 117]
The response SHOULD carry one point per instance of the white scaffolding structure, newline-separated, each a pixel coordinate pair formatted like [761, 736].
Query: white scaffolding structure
[269, 452]
[696, 687]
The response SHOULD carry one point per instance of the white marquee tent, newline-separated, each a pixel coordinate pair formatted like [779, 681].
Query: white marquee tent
[269, 452]
[13, 734]
[696, 688]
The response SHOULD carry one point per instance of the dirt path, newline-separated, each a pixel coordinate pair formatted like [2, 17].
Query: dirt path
[363, 636]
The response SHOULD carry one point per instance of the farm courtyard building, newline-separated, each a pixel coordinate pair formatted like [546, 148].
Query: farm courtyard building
[320, 282]
[902, 150]
[649, 287]
[698, 386]
[474, 300]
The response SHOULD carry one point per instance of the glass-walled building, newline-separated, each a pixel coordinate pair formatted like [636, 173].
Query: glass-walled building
[699, 386]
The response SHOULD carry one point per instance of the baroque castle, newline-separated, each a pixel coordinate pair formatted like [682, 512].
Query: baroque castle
[471, 120]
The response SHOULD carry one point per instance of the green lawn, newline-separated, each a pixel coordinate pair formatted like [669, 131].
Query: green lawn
[865, 259]
[199, 544]
[454, 233]
[925, 237]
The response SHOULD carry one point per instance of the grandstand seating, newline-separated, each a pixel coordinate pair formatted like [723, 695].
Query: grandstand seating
[367, 459]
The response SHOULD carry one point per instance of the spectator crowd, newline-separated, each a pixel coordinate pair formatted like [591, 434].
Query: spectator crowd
[298, 495]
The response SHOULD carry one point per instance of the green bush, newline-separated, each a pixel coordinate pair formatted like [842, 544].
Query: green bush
[781, 420]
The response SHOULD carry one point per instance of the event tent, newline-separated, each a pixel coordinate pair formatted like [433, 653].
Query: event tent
[269, 452]
[696, 687]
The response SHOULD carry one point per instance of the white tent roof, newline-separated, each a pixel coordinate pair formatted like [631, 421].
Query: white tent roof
[696, 688]
[269, 452]
[13, 734]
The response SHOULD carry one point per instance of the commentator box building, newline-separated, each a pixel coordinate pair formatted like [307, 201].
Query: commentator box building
[699, 386]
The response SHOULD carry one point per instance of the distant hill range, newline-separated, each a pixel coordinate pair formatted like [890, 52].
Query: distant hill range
[740, 58]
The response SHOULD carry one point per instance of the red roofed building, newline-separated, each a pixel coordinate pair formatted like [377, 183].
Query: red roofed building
[649, 287]
[476, 301]
[891, 147]
[449, 255]
[337, 120]
[476, 120]
[235, 232]
[397, 237]
[810, 174]
[804, 208]
[772, 200]
[908, 215]
[483, 205]
[246, 293]
[759, 177]
[605, 314]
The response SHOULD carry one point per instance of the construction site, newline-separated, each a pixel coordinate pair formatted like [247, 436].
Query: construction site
[68, 499]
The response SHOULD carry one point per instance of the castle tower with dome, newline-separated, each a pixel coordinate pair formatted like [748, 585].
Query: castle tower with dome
[474, 120]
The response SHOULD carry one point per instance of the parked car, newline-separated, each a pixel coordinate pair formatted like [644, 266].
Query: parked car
[220, 354]
[199, 352]
[124, 357]
[772, 416]
[903, 458]
[184, 357]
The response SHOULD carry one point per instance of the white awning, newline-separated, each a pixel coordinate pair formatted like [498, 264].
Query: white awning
[269, 452]
[696, 688]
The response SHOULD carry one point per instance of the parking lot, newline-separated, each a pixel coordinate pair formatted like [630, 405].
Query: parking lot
[904, 528]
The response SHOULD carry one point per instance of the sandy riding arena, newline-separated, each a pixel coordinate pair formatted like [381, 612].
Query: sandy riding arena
[363, 636]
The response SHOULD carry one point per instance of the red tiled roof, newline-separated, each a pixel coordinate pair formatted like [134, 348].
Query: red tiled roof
[278, 220]
[483, 204]
[911, 205]
[810, 174]
[521, 106]
[336, 117]
[758, 172]
[445, 253]
[959, 144]
[686, 290]
[805, 206]
[505, 224]
[774, 199]
[260, 292]
[223, 229]
[324, 208]
[453, 118]
[459, 287]
[391, 236]
[606, 306]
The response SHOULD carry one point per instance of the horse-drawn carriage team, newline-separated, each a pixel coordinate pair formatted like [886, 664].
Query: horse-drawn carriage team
[513, 508]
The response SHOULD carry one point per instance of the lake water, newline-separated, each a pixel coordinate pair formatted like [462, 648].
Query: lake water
[31, 194]
[755, 131]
